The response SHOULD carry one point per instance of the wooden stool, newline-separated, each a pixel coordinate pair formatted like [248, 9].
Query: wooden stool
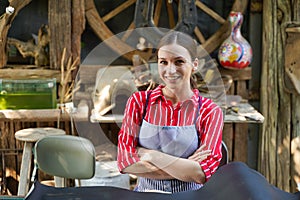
[30, 136]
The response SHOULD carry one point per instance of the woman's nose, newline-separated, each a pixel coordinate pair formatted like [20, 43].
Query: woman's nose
[171, 68]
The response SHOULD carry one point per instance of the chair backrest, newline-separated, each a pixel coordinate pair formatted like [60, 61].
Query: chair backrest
[65, 156]
[224, 159]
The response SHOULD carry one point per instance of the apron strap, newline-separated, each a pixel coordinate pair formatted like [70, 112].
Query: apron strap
[145, 108]
[199, 106]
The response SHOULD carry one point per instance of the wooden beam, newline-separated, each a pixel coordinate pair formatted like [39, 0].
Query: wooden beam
[29, 74]
[118, 10]
[210, 12]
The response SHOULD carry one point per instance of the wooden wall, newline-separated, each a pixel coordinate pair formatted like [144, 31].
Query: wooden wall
[280, 107]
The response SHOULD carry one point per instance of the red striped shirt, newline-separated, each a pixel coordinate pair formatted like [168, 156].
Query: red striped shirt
[160, 111]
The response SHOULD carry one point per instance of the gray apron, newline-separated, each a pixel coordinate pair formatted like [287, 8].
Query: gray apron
[179, 141]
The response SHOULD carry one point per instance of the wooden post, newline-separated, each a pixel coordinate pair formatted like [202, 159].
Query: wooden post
[295, 118]
[278, 106]
[78, 26]
[60, 31]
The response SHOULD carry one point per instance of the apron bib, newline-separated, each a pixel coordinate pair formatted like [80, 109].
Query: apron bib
[179, 141]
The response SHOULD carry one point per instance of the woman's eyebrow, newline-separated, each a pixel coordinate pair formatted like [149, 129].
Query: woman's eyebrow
[179, 57]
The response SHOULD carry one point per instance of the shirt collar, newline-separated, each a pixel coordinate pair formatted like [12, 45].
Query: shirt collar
[157, 94]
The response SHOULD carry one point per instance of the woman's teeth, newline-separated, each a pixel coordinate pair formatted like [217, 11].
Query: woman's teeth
[172, 77]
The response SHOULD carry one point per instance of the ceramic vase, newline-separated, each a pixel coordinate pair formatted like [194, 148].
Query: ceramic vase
[235, 52]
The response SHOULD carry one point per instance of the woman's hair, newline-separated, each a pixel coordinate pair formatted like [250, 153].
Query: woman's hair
[184, 40]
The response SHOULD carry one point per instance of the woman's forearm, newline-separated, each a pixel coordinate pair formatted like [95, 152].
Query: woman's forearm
[147, 170]
[178, 168]
[158, 165]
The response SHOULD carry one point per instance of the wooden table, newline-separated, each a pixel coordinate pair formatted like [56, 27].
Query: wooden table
[33, 115]
[241, 113]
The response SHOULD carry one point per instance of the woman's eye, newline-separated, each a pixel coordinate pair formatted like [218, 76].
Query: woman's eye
[179, 62]
[162, 62]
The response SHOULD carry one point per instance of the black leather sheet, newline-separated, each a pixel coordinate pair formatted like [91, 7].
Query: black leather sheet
[234, 181]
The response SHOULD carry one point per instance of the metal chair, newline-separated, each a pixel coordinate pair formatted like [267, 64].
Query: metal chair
[224, 159]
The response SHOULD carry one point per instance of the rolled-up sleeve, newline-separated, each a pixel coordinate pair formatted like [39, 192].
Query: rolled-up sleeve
[211, 136]
[128, 134]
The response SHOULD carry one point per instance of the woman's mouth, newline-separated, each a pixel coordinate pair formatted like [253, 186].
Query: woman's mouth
[172, 77]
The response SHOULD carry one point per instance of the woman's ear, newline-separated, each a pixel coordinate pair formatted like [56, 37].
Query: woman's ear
[195, 64]
[198, 64]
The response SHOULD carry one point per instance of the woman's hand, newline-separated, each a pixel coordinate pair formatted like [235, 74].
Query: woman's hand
[145, 154]
[145, 168]
[200, 154]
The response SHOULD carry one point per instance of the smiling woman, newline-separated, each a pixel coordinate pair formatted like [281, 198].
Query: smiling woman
[171, 136]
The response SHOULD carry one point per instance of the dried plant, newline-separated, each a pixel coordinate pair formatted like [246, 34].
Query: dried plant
[67, 90]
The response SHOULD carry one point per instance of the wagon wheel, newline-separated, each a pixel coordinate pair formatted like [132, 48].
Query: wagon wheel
[102, 30]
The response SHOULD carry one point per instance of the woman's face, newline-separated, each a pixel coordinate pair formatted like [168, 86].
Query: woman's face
[175, 66]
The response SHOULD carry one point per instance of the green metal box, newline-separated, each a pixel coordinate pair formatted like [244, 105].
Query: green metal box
[28, 94]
